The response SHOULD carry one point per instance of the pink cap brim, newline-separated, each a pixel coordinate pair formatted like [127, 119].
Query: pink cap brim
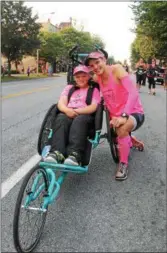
[81, 68]
[93, 55]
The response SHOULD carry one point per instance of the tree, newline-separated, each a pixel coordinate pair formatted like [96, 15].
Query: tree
[19, 31]
[111, 60]
[70, 37]
[51, 48]
[151, 23]
[143, 46]
[85, 40]
[135, 54]
[57, 45]
[97, 40]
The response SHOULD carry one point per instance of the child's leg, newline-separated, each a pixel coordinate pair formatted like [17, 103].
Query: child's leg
[78, 134]
[60, 133]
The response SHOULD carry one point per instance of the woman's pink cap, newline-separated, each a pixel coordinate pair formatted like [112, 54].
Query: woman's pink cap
[93, 55]
[81, 68]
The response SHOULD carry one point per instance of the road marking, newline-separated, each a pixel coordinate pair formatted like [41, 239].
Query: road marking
[9, 183]
[25, 92]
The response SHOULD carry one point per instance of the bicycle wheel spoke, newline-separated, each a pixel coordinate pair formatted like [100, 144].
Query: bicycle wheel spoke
[31, 222]
[35, 225]
[30, 219]
[25, 234]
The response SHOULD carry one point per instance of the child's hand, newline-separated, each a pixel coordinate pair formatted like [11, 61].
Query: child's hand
[71, 113]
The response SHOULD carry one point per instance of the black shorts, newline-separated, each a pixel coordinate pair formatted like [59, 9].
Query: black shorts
[138, 120]
[140, 79]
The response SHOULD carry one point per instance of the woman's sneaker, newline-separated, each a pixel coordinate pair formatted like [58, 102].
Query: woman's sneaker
[137, 144]
[54, 157]
[73, 159]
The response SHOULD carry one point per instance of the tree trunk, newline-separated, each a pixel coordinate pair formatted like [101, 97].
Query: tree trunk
[9, 67]
[16, 65]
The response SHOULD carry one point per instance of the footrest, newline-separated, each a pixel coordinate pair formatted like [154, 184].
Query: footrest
[64, 167]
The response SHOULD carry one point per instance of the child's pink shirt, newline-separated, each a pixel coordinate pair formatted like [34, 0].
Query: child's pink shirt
[78, 98]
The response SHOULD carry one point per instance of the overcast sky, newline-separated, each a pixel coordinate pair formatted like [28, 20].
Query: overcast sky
[111, 20]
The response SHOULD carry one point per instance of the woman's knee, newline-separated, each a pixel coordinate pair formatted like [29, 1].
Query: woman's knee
[121, 131]
[125, 129]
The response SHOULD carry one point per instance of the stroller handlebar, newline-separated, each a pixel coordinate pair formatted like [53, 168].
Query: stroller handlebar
[73, 53]
[73, 49]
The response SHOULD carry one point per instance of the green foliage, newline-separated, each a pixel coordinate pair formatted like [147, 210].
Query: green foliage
[111, 60]
[51, 46]
[97, 40]
[135, 54]
[19, 30]
[85, 40]
[21, 36]
[151, 30]
[57, 45]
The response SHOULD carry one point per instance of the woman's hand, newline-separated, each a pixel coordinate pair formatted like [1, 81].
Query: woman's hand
[117, 121]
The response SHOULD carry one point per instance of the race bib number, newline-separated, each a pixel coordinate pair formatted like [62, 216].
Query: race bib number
[140, 72]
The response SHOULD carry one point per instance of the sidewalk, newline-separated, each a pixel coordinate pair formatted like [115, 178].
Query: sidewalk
[21, 77]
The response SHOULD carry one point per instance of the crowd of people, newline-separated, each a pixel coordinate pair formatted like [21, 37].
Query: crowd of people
[151, 72]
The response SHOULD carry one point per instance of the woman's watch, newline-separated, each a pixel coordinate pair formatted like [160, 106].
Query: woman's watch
[125, 115]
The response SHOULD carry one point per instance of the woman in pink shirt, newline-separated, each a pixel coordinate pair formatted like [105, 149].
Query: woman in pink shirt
[123, 103]
[74, 120]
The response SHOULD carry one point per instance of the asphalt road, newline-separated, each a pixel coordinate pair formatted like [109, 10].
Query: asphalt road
[94, 213]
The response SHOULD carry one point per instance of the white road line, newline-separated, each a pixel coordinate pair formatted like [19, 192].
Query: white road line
[8, 184]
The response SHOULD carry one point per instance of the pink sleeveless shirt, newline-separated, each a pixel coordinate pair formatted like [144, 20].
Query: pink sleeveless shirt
[122, 97]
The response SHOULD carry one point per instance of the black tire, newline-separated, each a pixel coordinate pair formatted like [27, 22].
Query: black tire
[16, 228]
[45, 128]
[111, 137]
